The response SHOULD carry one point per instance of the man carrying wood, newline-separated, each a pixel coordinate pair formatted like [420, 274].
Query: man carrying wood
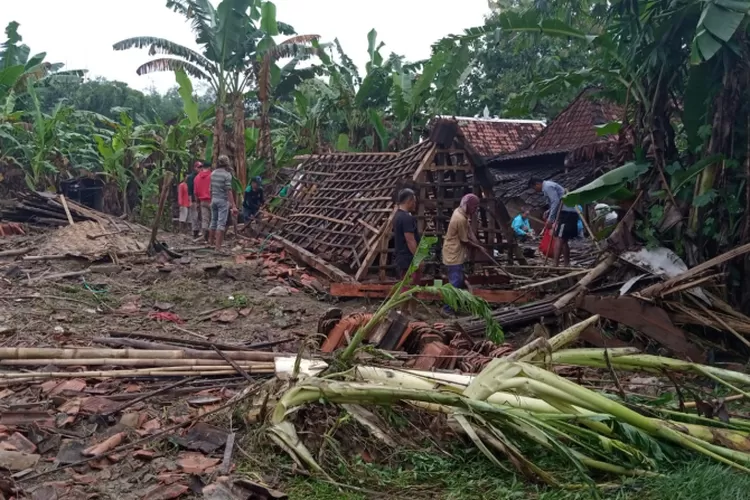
[562, 219]
[459, 240]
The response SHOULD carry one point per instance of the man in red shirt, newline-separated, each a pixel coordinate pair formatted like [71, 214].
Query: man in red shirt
[202, 191]
[183, 200]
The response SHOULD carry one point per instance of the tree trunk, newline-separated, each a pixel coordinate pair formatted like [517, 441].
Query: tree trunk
[238, 132]
[220, 137]
[265, 146]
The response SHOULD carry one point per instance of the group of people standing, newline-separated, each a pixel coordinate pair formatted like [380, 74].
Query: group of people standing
[206, 200]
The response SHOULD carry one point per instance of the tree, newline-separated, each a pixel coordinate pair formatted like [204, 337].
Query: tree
[237, 54]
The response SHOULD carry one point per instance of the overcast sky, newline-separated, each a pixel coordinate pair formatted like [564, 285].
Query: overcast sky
[80, 33]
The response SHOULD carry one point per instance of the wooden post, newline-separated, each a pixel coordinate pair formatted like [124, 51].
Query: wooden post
[67, 210]
[166, 183]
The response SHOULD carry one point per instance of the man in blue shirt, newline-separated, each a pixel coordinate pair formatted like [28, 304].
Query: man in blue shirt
[521, 226]
[562, 219]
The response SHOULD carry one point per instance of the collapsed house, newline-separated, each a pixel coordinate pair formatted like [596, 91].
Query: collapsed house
[569, 151]
[338, 208]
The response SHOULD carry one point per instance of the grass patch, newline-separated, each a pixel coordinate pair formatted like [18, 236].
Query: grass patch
[467, 475]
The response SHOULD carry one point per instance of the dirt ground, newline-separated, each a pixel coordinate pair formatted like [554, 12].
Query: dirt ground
[222, 297]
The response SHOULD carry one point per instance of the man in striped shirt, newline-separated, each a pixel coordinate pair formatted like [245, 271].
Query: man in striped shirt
[222, 199]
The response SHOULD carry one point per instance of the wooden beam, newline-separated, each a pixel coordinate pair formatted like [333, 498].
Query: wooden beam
[375, 248]
[383, 290]
[332, 272]
[67, 210]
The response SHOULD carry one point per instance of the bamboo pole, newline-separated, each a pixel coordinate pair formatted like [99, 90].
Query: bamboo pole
[592, 275]
[185, 371]
[89, 353]
[135, 362]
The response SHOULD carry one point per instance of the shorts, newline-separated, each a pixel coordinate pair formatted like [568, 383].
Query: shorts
[184, 214]
[567, 226]
[219, 215]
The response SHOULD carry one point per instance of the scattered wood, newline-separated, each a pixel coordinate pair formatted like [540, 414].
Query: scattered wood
[313, 261]
[58, 276]
[237, 367]
[226, 463]
[16, 252]
[197, 343]
[383, 290]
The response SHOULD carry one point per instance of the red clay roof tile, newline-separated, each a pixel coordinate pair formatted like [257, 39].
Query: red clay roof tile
[492, 137]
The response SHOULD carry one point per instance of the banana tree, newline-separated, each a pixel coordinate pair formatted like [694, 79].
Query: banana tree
[235, 35]
[123, 150]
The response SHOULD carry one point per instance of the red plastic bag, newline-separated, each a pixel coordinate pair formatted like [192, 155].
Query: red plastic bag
[546, 246]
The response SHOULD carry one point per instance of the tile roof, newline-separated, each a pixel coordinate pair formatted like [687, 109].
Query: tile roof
[574, 127]
[493, 137]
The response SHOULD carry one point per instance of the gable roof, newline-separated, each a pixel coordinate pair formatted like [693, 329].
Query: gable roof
[573, 128]
[491, 137]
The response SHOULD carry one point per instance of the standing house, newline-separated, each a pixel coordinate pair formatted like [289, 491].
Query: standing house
[338, 209]
[568, 151]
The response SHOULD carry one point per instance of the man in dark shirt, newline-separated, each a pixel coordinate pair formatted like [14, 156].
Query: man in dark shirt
[405, 233]
[253, 200]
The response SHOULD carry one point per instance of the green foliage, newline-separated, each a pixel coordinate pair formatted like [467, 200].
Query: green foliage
[186, 93]
[608, 183]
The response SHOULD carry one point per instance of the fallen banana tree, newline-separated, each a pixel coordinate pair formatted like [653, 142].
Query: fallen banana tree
[519, 401]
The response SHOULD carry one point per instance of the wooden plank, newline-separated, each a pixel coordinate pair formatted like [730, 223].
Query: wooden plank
[322, 217]
[648, 319]
[312, 260]
[383, 290]
[67, 210]
[368, 226]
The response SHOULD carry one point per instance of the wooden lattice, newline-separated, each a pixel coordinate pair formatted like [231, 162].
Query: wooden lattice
[340, 206]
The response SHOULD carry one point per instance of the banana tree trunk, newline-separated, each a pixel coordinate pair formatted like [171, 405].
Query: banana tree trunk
[238, 132]
[220, 137]
[721, 132]
[265, 148]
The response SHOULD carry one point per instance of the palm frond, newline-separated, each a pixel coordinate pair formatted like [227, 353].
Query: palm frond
[158, 45]
[168, 64]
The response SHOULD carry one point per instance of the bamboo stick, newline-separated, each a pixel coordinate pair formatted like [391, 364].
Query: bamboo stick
[89, 353]
[15, 252]
[555, 279]
[197, 343]
[590, 277]
[186, 371]
[136, 362]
